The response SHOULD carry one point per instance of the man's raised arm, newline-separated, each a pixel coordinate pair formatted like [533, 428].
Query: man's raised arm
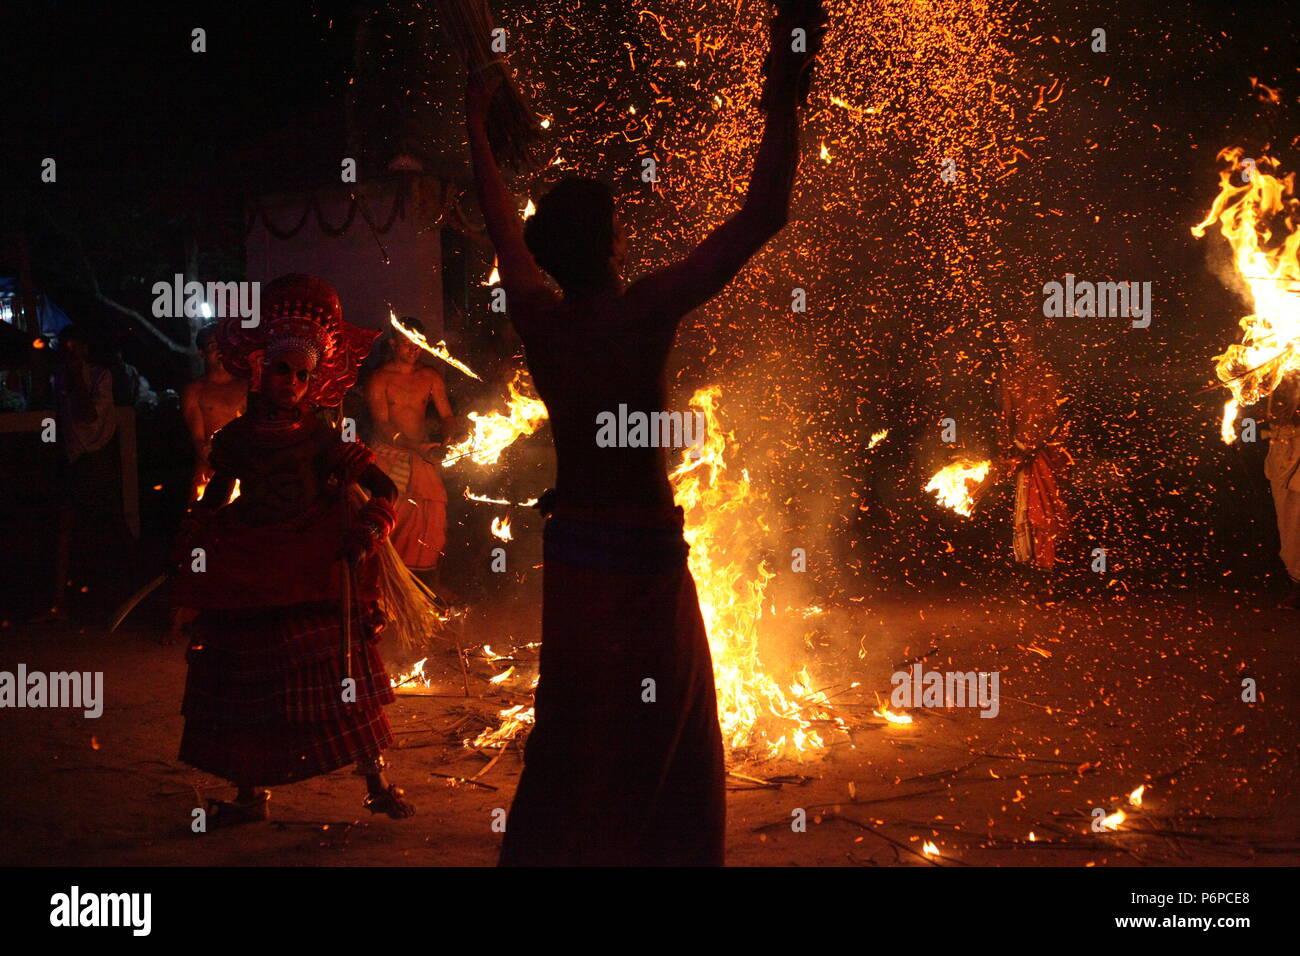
[520, 275]
[677, 289]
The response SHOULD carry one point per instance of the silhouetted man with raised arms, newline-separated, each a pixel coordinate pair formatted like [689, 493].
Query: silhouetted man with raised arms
[624, 765]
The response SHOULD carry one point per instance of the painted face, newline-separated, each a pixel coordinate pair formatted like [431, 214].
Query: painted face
[285, 377]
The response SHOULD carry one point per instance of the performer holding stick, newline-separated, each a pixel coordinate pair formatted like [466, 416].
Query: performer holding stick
[613, 776]
[399, 394]
[268, 697]
[1029, 396]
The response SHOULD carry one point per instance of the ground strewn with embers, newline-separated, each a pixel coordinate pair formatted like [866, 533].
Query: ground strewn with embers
[1097, 699]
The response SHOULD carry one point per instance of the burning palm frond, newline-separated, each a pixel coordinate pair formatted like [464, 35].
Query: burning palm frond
[513, 127]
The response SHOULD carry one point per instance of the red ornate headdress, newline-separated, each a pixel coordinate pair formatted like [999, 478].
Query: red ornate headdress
[302, 313]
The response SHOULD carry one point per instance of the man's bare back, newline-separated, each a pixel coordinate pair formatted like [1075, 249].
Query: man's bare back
[589, 357]
[599, 344]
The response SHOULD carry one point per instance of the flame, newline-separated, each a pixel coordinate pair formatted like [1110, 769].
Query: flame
[494, 278]
[494, 432]
[501, 529]
[824, 154]
[514, 720]
[721, 509]
[530, 209]
[484, 498]
[437, 351]
[413, 677]
[1113, 821]
[755, 712]
[1135, 798]
[503, 676]
[929, 849]
[498, 501]
[1227, 429]
[877, 438]
[885, 713]
[1259, 219]
[954, 484]
[202, 486]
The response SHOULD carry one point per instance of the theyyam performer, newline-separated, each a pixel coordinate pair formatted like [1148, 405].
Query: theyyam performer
[294, 580]
[1032, 453]
[1282, 468]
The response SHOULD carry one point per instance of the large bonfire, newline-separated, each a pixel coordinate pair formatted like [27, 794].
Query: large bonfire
[724, 524]
[724, 519]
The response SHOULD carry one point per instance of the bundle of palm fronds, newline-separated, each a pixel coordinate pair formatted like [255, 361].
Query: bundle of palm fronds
[513, 127]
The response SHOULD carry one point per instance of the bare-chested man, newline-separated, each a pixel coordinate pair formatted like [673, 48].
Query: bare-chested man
[398, 394]
[610, 778]
[1282, 468]
[1028, 431]
[209, 404]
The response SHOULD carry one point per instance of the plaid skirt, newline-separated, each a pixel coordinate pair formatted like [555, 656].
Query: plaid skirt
[264, 698]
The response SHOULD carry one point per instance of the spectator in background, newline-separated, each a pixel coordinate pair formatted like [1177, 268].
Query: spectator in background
[89, 488]
[209, 403]
[130, 388]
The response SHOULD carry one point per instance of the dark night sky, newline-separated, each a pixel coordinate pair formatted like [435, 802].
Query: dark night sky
[115, 94]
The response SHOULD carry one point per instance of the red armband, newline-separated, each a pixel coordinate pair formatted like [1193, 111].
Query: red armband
[380, 515]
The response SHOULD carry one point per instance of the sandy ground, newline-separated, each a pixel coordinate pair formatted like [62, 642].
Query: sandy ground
[1096, 699]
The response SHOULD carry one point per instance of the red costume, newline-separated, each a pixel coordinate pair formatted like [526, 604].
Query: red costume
[421, 531]
[265, 697]
[1040, 520]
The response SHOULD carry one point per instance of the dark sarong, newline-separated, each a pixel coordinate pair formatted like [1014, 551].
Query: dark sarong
[611, 779]
[264, 695]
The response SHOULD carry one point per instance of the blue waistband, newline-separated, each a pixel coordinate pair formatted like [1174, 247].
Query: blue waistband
[616, 549]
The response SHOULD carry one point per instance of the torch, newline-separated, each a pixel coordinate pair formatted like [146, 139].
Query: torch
[513, 128]
[791, 49]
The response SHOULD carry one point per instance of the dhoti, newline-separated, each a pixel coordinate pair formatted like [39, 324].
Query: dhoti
[624, 766]
[1282, 468]
[421, 532]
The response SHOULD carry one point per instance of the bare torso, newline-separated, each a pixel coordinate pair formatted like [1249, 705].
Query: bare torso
[209, 404]
[399, 395]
